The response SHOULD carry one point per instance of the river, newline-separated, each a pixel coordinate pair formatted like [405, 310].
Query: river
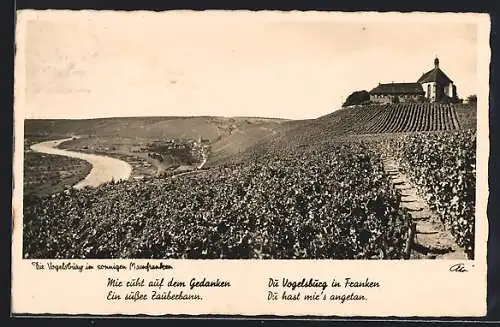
[104, 169]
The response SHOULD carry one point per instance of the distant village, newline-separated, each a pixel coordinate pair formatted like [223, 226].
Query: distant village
[197, 149]
[432, 86]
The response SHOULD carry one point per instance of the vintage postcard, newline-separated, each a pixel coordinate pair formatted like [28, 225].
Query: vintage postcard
[250, 163]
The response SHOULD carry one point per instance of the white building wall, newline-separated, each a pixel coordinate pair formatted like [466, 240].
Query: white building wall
[450, 90]
[430, 90]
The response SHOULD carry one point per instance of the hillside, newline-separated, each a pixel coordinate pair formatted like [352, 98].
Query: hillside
[401, 118]
[233, 139]
[121, 137]
[312, 191]
[211, 128]
[358, 121]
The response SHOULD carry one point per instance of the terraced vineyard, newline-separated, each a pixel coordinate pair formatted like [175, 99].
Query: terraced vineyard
[401, 118]
[411, 117]
[467, 116]
[308, 189]
[358, 122]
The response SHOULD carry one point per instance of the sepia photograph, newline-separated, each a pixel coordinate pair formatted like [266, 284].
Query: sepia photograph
[280, 140]
[250, 163]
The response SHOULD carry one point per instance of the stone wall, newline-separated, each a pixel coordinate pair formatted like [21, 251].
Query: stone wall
[389, 98]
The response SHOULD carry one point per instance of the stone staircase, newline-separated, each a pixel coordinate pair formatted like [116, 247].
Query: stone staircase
[432, 240]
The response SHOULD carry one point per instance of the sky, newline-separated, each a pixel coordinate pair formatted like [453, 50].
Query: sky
[111, 65]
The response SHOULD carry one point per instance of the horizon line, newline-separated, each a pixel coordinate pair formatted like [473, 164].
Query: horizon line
[165, 116]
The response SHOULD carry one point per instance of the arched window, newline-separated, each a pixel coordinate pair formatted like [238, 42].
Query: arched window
[428, 90]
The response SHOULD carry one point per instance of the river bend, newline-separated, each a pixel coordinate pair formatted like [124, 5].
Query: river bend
[104, 169]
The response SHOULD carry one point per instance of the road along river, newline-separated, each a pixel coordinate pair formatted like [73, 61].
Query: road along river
[104, 169]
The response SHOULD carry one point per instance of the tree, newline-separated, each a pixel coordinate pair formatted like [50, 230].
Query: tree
[356, 98]
[472, 98]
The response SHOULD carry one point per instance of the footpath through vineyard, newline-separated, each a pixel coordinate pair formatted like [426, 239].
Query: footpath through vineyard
[431, 239]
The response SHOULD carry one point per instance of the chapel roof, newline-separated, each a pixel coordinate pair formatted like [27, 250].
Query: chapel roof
[398, 88]
[435, 75]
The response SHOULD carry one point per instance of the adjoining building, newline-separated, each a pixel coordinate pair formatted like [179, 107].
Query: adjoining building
[433, 86]
[397, 92]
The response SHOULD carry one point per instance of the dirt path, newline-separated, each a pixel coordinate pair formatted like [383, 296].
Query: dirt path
[432, 240]
[104, 169]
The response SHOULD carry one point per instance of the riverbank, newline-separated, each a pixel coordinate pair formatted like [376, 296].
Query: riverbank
[104, 169]
[48, 174]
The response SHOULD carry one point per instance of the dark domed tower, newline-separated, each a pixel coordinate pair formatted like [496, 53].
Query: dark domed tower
[437, 86]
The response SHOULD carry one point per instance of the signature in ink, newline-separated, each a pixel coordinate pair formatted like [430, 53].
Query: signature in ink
[459, 267]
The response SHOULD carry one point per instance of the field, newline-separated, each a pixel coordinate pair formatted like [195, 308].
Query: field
[47, 174]
[270, 189]
[363, 121]
[396, 118]
[280, 209]
[442, 166]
